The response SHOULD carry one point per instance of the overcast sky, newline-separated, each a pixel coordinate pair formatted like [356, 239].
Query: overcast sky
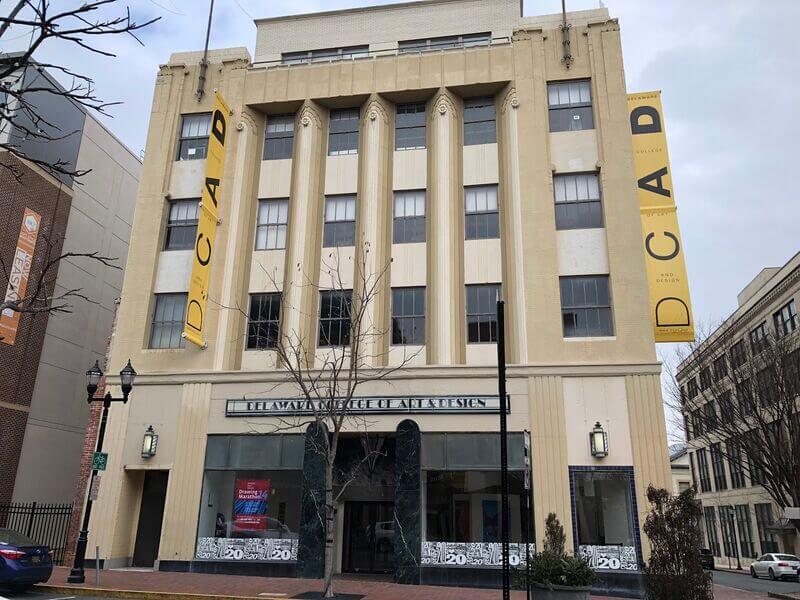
[727, 70]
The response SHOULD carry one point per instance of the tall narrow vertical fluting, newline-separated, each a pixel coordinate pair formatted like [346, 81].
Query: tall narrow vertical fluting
[445, 215]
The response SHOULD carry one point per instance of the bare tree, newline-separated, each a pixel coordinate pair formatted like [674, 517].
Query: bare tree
[327, 379]
[19, 108]
[740, 396]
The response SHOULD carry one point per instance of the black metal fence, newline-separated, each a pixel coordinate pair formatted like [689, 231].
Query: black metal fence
[47, 524]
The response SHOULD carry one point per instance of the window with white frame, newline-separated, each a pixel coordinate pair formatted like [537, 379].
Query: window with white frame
[181, 224]
[409, 130]
[759, 338]
[480, 125]
[577, 199]
[408, 315]
[482, 219]
[279, 137]
[335, 309]
[482, 313]
[263, 323]
[786, 319]
[409, 217]
[340, 221]
[169, 314]
[343, 135]
[570, 105]
[271, 227]
[193, 142]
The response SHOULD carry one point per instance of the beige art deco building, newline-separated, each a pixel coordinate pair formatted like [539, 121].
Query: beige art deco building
[452, 138]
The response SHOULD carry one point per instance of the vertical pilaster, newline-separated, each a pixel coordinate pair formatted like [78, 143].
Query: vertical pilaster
[373, 245]
[303, 242]
[311, 542]
[446, 331]
[407, 504]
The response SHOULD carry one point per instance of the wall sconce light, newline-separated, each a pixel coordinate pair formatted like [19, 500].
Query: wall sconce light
[149, 443]
[598, 441]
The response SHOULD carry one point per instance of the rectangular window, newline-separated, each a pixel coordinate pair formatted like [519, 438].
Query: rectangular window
[720, 368]
[408, 316]
[718, 467]
[726, 521]
[193, 142]
[791, 371]
[279, 137]
[324, 55]
[705, 378]
[710, 415]
[756, 459]
[766, 539]
[710, 517]
[409, 217]
[409, 128]
[169, 314]
[334, 317]
[340, 221]
[759, 338]
[482, 313]
[697, 422]
[263, 323]
[744, 525]
[482, 219]
[586, 306]
[691, 388]
[767, 386]
[480, 126]
[181, 224]
[271, 227]
[444, 43]
[570, 105]
[603, 509]
[785, 319]
[702, 464]
[343, 136]
[744, 395]
[577, 199]
[738, 354]
[735, 464]
[726, 407]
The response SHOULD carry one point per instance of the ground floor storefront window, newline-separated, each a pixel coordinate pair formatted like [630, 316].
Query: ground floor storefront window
[250, 503]
[603, 517]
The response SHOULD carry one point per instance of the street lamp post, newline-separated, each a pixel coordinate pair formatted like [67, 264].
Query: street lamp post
[501, 390]
[93, 377]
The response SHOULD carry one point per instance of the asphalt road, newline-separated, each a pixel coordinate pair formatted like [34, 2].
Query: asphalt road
[746, 583]
[5, 594]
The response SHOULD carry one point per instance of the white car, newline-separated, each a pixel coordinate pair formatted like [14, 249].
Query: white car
[775, 566]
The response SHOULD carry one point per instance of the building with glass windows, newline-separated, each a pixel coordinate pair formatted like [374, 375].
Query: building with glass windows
[725, 387]
[455, 140]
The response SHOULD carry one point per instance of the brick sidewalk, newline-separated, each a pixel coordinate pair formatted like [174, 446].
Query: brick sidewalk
[238, 585]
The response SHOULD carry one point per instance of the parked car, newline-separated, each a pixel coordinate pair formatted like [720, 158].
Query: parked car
[775, 566]
[707, 559]
[23, 562]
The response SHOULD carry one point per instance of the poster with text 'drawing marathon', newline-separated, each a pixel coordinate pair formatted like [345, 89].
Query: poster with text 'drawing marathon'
[670, 305]
[207, 224]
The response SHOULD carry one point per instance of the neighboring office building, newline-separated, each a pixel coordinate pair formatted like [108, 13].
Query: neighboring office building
[679, 465]
[739, 517]
[43, 409]
[451, 136]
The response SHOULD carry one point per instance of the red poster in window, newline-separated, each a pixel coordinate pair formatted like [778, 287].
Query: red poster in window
[250, 503]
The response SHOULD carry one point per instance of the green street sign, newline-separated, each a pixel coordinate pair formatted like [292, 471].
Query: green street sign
[99, 461]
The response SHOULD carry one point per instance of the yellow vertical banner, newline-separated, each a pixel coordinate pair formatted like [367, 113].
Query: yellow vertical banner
[207, 224]
[670, 305]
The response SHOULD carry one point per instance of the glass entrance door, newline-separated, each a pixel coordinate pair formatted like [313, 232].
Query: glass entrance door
[368, 537]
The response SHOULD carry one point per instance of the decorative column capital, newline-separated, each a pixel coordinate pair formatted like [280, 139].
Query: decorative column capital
[510, 100]
[309, 115]
[376, 108]
[444, 103]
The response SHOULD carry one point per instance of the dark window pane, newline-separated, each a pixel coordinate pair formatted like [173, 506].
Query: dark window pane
[168, 321]
[334, 320]
[482, 313]
[571, 119]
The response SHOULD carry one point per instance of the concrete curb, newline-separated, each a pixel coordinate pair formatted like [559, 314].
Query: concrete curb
[145, 594]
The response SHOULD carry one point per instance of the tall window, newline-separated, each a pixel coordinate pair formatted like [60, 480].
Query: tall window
[710, 516]
[263, 323]
[735, 464]
[169, 314]
[720, 368]
[756, 461]
[343, 136]
[482, 313]
[409, 217]
[692, 389]
[279, 137]
[193, 143]
[482, 219]
[577, 201]
[181, 224]
[718, 466]
[785, 319]
[409, 128]
[603, 508]
[334, 317]
[738, 354]
[710, 415]
[744, 525]
[744, 394]
[444, 42]
[324, 55]
[480, 126]
[764, 520]
[271, 228]
[340, 221]
[698, 423]
[726, 521]
[759, 338]
[586, 306]
[702, 464]
[408, 316]
[570, 104]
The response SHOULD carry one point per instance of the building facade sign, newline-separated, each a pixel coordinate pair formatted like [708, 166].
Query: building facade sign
[260, 549]
[472, 554]
[20, 269]
[265, 407]
[611, 558]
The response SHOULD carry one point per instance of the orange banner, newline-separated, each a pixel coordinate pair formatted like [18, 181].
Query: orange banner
[20, 271]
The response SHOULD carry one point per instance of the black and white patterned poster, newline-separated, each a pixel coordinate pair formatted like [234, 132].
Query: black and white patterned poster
[610, 557]
[270, 549]
[472, 554]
